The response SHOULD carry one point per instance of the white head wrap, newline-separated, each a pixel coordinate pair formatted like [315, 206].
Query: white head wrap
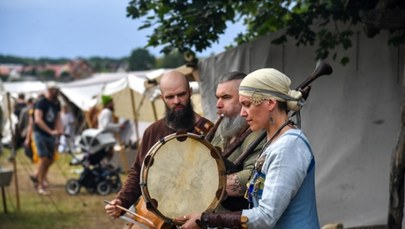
[269, 83]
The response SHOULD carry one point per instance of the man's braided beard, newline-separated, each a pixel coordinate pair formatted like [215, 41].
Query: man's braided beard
[183, 119]
[229, 127]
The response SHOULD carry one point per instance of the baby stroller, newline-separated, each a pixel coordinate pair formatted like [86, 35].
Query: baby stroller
[98, 175]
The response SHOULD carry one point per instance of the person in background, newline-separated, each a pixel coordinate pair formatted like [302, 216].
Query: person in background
[176, 94]
[281, 191]
[24, 123]
[105, 117]
[19, 104]
[68, 121]
[234, 135]
[47, 127]
[30, 148]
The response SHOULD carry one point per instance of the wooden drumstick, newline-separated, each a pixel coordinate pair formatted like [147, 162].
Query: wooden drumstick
[131, 212]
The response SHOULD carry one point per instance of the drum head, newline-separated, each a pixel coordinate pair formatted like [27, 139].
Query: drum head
[183, 174]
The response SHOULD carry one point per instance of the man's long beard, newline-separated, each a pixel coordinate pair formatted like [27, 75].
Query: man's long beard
[229, 127]
[183, 119]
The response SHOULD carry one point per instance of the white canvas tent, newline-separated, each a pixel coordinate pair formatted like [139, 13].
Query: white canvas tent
[84, 97]
[33, 87]
[132, 100]
[85, 93]
[351, 118]
[4, 118]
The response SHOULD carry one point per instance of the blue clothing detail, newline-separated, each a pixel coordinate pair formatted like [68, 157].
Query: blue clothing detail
[301, 213]
[288, 199]
[297, 206]
[312, 165]
[255, 189]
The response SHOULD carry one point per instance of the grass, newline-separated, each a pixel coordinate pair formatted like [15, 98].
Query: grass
[57, 211]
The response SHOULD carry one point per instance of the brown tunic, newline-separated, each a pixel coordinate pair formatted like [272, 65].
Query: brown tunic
[131, 191]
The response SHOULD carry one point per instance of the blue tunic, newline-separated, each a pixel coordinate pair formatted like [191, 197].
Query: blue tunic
[288, 199]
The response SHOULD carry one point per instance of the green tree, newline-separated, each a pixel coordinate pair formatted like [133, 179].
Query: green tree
[172, 60]
[47, 74]
[65, 77]
[141, 59]
[105, 64]
[31, 61]
[194, 25]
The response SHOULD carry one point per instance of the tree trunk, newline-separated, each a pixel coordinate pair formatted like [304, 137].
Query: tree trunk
[396, 201]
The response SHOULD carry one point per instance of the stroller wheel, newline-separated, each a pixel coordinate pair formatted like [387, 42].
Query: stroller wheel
[104, 188]
[72, 187]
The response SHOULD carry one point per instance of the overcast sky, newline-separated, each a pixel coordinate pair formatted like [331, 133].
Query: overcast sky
[77, 28]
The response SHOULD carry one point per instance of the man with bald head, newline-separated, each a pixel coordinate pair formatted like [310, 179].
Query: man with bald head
[176, 94]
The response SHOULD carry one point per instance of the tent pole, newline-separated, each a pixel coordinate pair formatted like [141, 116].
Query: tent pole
[13, 151]
[122, 151]
[154, 110]
[135, 122]
[134, 114]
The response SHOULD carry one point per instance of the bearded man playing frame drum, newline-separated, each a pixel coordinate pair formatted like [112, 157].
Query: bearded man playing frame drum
[176, 94]
[234, 137]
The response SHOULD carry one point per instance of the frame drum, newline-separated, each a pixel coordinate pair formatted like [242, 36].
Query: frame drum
[182, 174]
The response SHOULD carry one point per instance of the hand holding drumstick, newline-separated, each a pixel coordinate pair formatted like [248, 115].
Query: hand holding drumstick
[113, 208]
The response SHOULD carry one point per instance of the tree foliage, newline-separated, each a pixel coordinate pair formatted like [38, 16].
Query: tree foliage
[141, 59]
[172, 60]
[194, 25]
[106, 64]
[31, 61]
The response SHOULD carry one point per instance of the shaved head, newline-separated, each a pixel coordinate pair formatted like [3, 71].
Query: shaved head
[172, 80]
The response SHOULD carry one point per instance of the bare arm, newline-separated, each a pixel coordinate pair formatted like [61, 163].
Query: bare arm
[27, 141]
[58, 124]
